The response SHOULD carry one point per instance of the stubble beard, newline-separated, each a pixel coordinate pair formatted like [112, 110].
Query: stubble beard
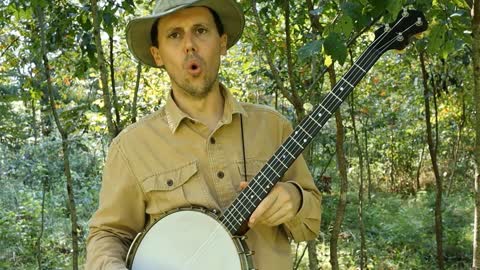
[197, 90]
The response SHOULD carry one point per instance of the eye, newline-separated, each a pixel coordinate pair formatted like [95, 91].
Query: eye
[202, 30]
[174, 35]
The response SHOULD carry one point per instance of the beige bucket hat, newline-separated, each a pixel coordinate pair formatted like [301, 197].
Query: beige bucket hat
[138, 29]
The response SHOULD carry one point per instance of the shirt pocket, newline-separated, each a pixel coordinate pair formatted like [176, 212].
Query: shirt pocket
[165, 189]
[253, 167]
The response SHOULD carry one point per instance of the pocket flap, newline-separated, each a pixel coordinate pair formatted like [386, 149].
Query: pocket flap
[253, 167]
[170, 180]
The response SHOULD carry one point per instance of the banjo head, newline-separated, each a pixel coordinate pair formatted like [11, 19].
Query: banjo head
[188, 239]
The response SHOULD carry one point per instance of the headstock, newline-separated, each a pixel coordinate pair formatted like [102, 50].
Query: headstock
[397, 35]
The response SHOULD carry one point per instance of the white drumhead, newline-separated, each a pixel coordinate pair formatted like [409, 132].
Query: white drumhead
[187, 240]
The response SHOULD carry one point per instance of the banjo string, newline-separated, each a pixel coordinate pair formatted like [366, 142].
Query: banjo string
[197, 252]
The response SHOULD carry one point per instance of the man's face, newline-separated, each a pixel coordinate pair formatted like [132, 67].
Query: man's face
[190, 49]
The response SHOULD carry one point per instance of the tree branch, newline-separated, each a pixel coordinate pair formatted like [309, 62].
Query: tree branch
[8, 47]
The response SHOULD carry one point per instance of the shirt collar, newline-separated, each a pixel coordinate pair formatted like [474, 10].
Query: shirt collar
[175, 115]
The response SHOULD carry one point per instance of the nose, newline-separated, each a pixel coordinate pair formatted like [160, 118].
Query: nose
[190, 45]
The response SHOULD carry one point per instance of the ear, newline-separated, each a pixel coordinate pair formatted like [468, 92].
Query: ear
[156, 56]
[223, 44]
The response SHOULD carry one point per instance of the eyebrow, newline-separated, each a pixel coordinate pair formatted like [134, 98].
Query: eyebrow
[176, 28]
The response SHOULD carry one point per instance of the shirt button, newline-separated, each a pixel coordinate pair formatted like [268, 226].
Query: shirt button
[212, 140]
[170, 182]
[220, 174]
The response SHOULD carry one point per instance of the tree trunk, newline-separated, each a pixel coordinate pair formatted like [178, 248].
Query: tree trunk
[342, 168]
[363, 249]
[476, 95]
[432, 147]
[312, 255]
[65, 146]
[112, 129]
[42, 225]
[367, 161]
[116, 107]
[419, 168]
[34, 120]
[135, 93]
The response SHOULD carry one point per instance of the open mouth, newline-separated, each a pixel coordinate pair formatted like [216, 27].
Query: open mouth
[194, 68]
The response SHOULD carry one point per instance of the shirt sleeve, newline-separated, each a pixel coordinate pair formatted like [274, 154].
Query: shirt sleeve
[306, 224]
[120, 215]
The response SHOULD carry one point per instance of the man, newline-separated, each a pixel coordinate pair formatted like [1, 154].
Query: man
[200, 147]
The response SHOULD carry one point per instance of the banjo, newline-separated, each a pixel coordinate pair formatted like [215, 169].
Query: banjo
[217, 241]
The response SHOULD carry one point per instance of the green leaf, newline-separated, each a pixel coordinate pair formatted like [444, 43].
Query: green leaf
[344, 26]
[352, 9]
[355, 12]
[448, 48]
[423, 5]
[310, 49]
[461, 4]
[129, 6]
[41, 3]
[335, 47]
[394, 7]
[436, 38]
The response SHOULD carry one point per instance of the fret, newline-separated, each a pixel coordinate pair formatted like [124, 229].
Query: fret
[275, 172]
[238, 218]
[254, 193]
[229, 222]
[311, 117]
[264, 176]
[304, 131]
[333, 93]
[233, 220]
[323, 107]
[301, 146]
[284, 148]
[286, 167]
[363, 70]
[260, 185]
[348, 82]
[248, 199]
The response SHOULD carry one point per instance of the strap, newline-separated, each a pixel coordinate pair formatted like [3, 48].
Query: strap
[243, 148]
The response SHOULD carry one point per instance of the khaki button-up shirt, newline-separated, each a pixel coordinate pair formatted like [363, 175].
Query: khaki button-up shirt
[168, 160]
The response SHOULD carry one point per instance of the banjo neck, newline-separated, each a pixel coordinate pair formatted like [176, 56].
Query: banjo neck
[393, 36]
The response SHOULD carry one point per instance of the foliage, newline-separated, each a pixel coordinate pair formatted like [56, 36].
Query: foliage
[26, 174]
[400, 231]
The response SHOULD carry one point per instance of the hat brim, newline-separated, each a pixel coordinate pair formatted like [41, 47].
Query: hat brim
[138, 29]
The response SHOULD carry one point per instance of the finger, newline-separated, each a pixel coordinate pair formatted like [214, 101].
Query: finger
[242, 185]
[262, 207]
[276, 207]
[277, 218]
